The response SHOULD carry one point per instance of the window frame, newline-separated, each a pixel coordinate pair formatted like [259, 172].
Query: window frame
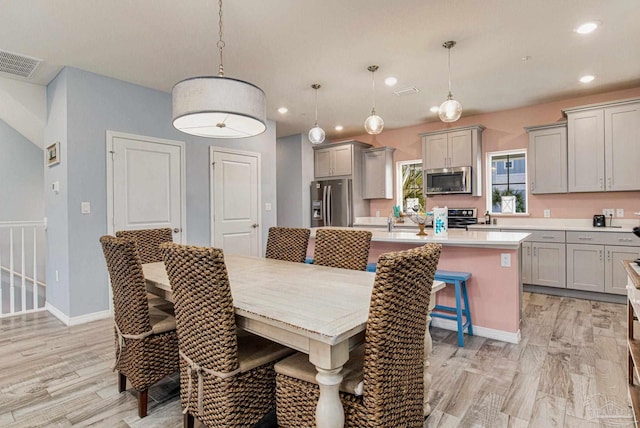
[489, 185]
[399, 192]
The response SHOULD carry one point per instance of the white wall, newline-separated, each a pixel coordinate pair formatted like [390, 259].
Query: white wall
[24, 107]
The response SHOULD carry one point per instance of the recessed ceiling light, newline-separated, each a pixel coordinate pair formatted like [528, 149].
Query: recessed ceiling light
[587, 27]
[283, 110]
[339, 128]
[434, 109]
[587, 78]
[390, 81]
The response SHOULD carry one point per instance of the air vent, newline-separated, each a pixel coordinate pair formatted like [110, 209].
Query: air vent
[18, 65]
[406, 91]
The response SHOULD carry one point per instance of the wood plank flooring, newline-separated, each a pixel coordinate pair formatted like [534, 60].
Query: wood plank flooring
[569, 370]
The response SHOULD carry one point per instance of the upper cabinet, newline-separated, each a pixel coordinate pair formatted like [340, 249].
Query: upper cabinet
[455, 147]
[338, 159]
[377, 179]
[548, 158]
[604, 146]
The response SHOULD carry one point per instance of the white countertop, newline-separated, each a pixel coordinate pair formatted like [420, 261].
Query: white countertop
[456, 237]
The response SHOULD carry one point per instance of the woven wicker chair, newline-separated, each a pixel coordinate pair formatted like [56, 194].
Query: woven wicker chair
[146, 340]
[347, 249]
[226, 380]
[383, 385]
[287, 243]
[148, 242]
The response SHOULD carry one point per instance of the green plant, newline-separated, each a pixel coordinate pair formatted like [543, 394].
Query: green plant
[497, 194]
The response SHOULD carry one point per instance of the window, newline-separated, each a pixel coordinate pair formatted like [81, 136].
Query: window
[507, 182]
[409, 184]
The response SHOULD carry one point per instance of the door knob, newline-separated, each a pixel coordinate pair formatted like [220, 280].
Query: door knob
[177, 230]
[254, 225]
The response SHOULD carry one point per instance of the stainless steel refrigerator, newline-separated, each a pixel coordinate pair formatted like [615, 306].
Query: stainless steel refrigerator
[333, 203]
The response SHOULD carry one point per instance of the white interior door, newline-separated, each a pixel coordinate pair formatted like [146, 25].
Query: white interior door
[235, 226]
[146, 176]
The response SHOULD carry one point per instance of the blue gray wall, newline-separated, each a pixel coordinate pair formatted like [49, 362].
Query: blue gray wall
[21, 172]
[294, 157]
[82, 107]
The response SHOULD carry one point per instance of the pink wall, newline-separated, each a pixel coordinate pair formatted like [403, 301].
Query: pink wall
[504, 131]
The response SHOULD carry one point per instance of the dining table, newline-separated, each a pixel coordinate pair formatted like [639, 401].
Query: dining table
[319, 310]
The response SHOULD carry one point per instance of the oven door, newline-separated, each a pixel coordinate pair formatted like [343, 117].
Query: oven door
[448, 180]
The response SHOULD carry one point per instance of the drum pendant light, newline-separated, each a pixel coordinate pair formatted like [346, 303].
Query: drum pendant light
[450, 110]
[374, 123]
[219, 106]
[316, 134]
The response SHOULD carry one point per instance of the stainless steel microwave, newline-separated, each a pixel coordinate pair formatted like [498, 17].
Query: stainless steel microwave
[444, 181]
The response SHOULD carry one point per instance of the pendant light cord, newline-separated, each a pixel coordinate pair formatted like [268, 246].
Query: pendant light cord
[220, 43]
[373, 85]
[316, 88]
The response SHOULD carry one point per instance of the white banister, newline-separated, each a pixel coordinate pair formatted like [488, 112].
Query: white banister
[26, 283]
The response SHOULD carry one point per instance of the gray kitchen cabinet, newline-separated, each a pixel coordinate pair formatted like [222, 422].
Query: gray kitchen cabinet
[594, 260]
[547, 158]
[603, 142]
[585, 267]
[338, 159]
[543, 257]
[457, 147]
[377, 177]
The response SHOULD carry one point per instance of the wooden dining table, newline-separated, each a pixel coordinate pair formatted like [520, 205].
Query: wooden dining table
[321, 311]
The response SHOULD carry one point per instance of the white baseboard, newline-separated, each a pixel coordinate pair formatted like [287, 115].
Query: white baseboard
[69, 321]
[490, 333]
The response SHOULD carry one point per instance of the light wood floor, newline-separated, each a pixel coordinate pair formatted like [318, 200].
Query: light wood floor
[569, 370]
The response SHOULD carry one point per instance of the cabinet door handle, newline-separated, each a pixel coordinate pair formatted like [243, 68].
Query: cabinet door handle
[548, 236]
[600, 253]
[609, 182]
[528, 251]
[534, 251]
[533, 186]
[601, 182]
[585, 238]
[625, 239]
[609, 255]
[445, 162]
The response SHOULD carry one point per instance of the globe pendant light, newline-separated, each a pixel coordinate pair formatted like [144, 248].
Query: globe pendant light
[450, 110]
[219, 106]
[316, 134]
[374, 123]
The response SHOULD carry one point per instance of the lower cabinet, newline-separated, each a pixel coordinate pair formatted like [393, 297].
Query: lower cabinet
[548, 264]
[597, 266]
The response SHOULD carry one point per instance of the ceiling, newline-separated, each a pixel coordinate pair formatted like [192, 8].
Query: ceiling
[283, 46]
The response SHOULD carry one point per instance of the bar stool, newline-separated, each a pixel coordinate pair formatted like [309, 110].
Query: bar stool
[459, 280]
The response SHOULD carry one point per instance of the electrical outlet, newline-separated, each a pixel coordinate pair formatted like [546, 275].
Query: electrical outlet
[608, 212]
[505, 260]
[620, 212]
[547, 213]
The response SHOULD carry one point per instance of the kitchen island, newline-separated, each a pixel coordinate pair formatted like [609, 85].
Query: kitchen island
[495, 290]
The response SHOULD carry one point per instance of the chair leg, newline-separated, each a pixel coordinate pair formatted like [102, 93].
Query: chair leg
[188, 421]
[122, 382]
[459, 315]
[466, 308]
[143, 399]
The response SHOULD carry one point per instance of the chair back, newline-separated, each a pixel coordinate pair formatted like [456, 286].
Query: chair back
[205, 320]
[287, 243]
[130, 304]
[148, 242]
[394, 338]
[347, 249]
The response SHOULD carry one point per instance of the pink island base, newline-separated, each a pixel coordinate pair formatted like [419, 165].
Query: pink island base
[494, 291]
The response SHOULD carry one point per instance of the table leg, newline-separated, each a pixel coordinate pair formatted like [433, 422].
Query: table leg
[329, 412]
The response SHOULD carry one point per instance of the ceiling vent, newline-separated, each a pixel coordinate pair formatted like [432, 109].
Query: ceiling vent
[17, 64]
[407, 91]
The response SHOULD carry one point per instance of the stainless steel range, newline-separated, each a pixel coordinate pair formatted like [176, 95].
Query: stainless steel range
[460, 218]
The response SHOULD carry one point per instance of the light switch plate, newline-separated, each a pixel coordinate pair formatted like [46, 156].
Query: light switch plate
[85, 207]
[547, 213]
[620, 212]
[267, 206]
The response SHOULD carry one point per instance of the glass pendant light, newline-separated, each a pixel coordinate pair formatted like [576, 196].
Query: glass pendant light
[450, 110]
[316, 134]
[374, 123]
[219, 106]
